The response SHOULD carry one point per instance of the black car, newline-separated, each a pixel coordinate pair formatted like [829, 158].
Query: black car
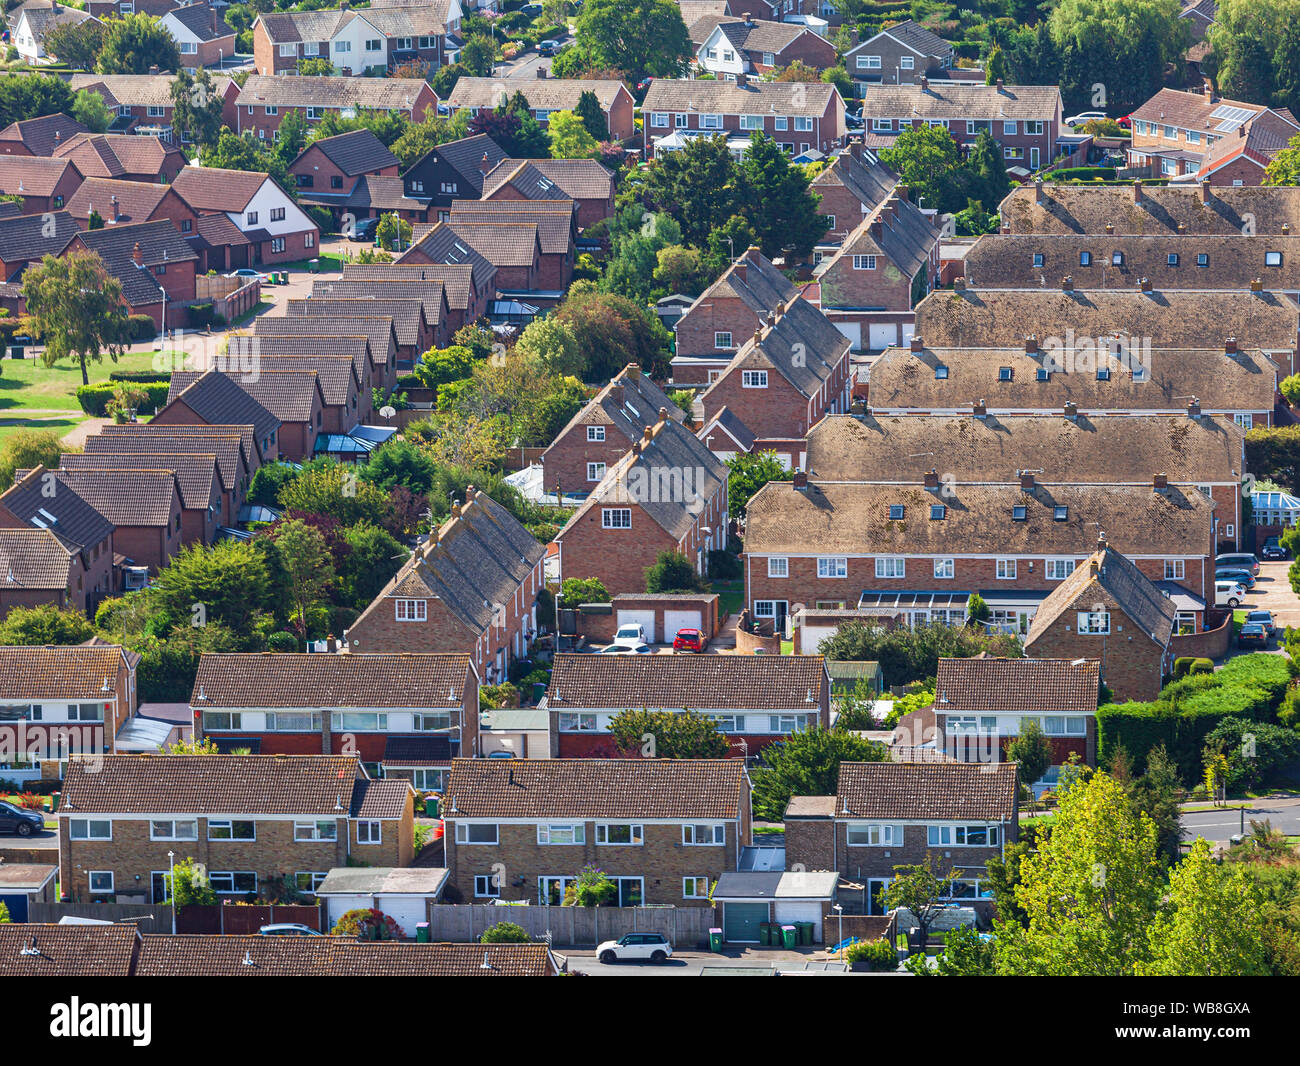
[20, 820]
[364, 229]
[1272, 551]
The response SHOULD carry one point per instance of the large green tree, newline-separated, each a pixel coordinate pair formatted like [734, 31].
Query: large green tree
[807, 764]
[700, 186]
[75, 307]
[197, 106]
[225, 583]
[749, 472]
[135, 43]
[307, 565]
[783, 208]
[76, 44]
[31, 96]
[638, 36]
[614, 331]
[46, 624]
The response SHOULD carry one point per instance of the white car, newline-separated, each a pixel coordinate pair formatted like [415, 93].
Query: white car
[635, 947]
[630, 635]
[626, 649]
[1228, 594]
[1075, 121]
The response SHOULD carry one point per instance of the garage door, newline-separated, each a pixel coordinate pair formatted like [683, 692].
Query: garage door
[646, 618]
[406, 911]
[788, 913]
[675, 620]
[340, 905]
[17, 905]
[852, 330]
[740, 921]
[882, 335]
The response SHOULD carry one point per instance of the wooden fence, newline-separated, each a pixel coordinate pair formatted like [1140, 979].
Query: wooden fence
[685, 927]
[230, 919]
[148, 918]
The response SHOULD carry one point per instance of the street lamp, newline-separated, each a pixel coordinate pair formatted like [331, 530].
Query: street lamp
[559, 595]
[171, 867]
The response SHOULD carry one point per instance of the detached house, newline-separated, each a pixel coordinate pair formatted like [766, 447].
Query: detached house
[727, 46]
[662, 830]
[900, 54]
[155, 265]
[125, 203]
[38, 136]
[472, 587]
[1109, 610]
[215, 400]
[201, 34]
[277, 228]
[44, 184]
[368, 705]
[248, 819]
[332, 171]
[754, 700]
[545, 94]
[452, 171]
[32, 21]
[668, 493]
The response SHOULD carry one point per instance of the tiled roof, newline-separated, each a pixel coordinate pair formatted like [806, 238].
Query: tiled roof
[202, 21]
[630, 402]
[405, 314]
[383, 193]
[731, 424]
[580, 179]
[554, 218]
[756, 35]
[136, 90]
[380, 799]
[864, 177]
[74, 951]
[465, 156]
[135, 200]
[215, 189]
[42, 135]
[219, 400]
[217, 231]
[42, 17]
[854, 519]
[959, 100]
[1105, 449]
[712, 682]
[111, 155]
[914, 36]
[131, 497]
[311, 956]
[1181, 318]
[288, 395]
[353, 680]
[545, 94]
[354, 152]
[1196, 111]
[754, 281]
[595, 788]
[728, 98]
[225, 444]
[527, 179]
[73, 519]
[376, 331]
[1161, 209]
[72, 672]
[160, 245]
[23, 175]
[988, 685]
[457, 278]
[440, 245]
[283, 90]
[501, 244]
[195, 473]
[341, 362]
[429, 750]
[905, 235]
[429, 292]
[1222, 381]
[212, 784]
[923, 791]
[33, 559]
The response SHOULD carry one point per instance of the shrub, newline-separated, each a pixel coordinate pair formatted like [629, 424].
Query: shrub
[201, 315]
[879, 956]
[1290, 388]
[138, 376]
[1138, 727]
[94, 399]
[724, 566]
[367, 923]
[1202, 666]
[1269, 673]
[282, 642]
[1182, 665]
[505, 933]
[141, 327]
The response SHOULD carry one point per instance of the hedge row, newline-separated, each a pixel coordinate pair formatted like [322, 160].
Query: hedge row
[94, 399]
[140, 376]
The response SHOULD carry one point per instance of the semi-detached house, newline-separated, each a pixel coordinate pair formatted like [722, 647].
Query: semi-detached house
[727, 46]
[265, 99]
[545, 95]
[898, 54]
[277, 228]
[143, 102]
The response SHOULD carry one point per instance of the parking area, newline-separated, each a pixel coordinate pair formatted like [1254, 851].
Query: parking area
[1273, 592]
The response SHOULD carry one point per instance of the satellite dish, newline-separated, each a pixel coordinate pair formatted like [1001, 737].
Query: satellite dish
[387, 412]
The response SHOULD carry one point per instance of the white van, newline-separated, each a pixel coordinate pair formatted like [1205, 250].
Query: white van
[1228, 594]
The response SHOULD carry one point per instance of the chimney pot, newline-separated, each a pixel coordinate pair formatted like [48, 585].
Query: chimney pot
[1067, 284]
[916, 343]
[1145, 283]
[1160, 483]
[1257, 285]
[1230, 345]
[663, 414]
[137, 255]
[1137, 190]
[800, 479]
[1286, 228]
[932, 479]
[1000, 85]
[469, 493]
[980, 409]
[925, 84]
[959, 283]
[1031, 344]
[1110, 228]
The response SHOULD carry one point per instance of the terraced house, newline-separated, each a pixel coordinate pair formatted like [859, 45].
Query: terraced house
[662, 830]
[545, 95]
[754, 700]
[143, 102]
[249, 819]
[265, 99]
[367, 705]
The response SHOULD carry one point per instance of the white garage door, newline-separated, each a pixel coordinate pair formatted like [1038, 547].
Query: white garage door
[852, 330]
[789, 913]
[909, 328]
[646, 618]
[811, 636]
[406, 911]
[340, 905]
[675, 620]
[882, 335]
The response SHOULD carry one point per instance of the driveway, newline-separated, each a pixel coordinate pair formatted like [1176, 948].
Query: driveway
[692, 963]
[1272, 592]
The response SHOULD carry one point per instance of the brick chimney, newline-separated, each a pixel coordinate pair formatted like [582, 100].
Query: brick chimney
[663, 414]
[1137, 190]
[1194, 408]
[916, 343]
[1257, 285]
[925, 84]
[741, 80]
[1038, 190]
[1026, 481]
[483, 165]
[616, 394]
[932, 479]
[1145, 284]
[1067, 284]
[877, 228]
[959, 284]
[758, 334]
[1160, 483]
[1205, 191]
[980, 409]
[1230, 346]
[632, 371]
[469, 493]
[117, 208]
[855, 149]
[1000, 85]
[801, 480]
[1031, 344]
[137, 255]
[1071, 410]
[741, 269]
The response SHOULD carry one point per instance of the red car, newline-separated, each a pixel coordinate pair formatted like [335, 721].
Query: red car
[1125, 123]
[689, 640]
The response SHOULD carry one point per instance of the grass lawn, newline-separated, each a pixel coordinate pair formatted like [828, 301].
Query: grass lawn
[29, 385]
[330, 261]
[731, 596]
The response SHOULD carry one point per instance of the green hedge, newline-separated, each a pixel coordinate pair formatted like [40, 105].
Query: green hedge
[94, 399]
[141, 327]
[1270, 673]
[138, 377]
[1139, 727]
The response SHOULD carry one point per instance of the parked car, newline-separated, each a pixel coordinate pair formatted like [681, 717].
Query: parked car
[635, 947]
[1239, 560]
[854, 122]
[501, 755]
[1075, 121]
[1228, 594]
[287, 929]
[364, 230]
[1272, 551]
[248, 273]
[689, 640]
[1233, 573]
[626, 649]
[548, 47]
[1265, 619]
[1125, 123]
[1252, 635]
[631, 634]
[19, 820]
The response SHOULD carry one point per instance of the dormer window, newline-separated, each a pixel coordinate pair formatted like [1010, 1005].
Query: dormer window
[1085, 259]
[1103, 373]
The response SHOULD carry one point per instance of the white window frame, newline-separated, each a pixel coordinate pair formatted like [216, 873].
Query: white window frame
[596, 433]
[636, 834]
[613, 518]
[753, 379]
[463, 828]
[778, 566]
[315, 831]
[691, 888]
[1093, 623]
[722, 340]
[91, 875]
[1175, 569]
[1058, 569]
[171, 833]
[831, 567]
[891, 566]
[88, 832]
[575, 831]
[717, 830]
[595, 471]
[873, 835]
[411, 610]
[1006, 569]
[945, 569]
[370, 831]
[864, 262]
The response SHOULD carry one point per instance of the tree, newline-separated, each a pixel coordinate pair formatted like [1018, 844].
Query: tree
[593, 116]
[187, 886]
[591, 888]
[1032, 750]
[315, 67]
[45, 624]
[1089, 893]
[678, 269]
[293, 134]
[724, 244]
[570, 138]
[613, 331]
[1156, 794]
[698, 185]
[673, 572]
[928, 161]
[907, 655]
[308, 567]
[375, 556]
[783, 209]
[966, 953]
[336, 491]
[1003, 876]
[996, 67]
[478, 55]
[576, 590]
[233, 152]
[639, 36]
[393, 232]
[388, 126]
[921, 889]
[807, 764]
[445, 79]
[134, 43]
[1284, 169]
[667, 735]
[749, 472]
[202, 746]
[798, 71]
[505, 933]
[75, 306]
[420, 138]
[27, 449]
[224, 583]
[32, 95]
[89, 109]
[553, 346]
[988, 181]
[76, 44]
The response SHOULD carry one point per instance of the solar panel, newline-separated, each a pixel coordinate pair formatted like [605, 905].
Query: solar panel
[1230, 117]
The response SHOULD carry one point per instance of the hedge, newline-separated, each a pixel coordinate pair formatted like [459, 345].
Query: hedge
[139, 376]
[1270, 673]
[141, 327]
[1186, 665]
[94, 399]
[1139, 727]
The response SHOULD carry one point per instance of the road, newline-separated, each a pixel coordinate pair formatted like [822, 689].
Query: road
[1218, 826]
[525, 64]
[692, 963]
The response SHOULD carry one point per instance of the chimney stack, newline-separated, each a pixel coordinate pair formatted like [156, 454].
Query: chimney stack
[1071, 410]
[137, 255]
[632, 371]
[1160, 483]
[740, 80]
[616, 394]
[1205, 191]
[1101, 542]
[740, 270]
[1000, 85]
[916, 343]
[1031, 344]
[1110, 227]
[1230, 346]
[1137, 190]
[758, 334]
[855, 149]
[980, 409]
[800, 480]
[117, 208]
[1067, 284]
[469, 493]
[1257, 285]
[1145, 283]
[663, 414]
[1194, 408]
[932, 479]
[1038, 190]
[483, 165]
[925, 84]
[959, 283]
[1026, 481]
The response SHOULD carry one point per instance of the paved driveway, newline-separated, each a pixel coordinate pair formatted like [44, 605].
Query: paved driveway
[1272, 592]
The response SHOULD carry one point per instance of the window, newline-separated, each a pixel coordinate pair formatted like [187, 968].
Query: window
[595, 471]
[1094, 622]
[944, 568]
[216, 720]
[907, 62]
[325, 829]
[155, 111]
[896, 512]
[704, 834]
[1103, 373]
[251, 218]
[476, 832]
[778, 566]
[781, 122]
[100, 881]
[1038, 259]
[695, 888]
[710, 122]
[85, 712]
[1061, 726]
[782, 723]
[189, 47]
[1034, 128]
[417, 185]
[937, 512]
[833, 566]
[426, 42]
[970, 836]
[1006, 569]
[1193, 136]
[412, 610]
[1008, 129]
[271, 109]
[868, 62]
[311, 48]
[874, 835]
[1059, 569]
[277, 214]
[402, 44]
[174, 830]
[751, 122]
[1273, 259]
[1173, 259]
[681, 122]
[432, 722]
[1117, 259]
[803, 123]
[233, 881]
[309, 880]
[187, 225]
[659, 120]
[1202, 259]
[288, 50]
[486, 886]
[277, 244]
[864, 262]
[358, 722]
[627, 833]
[428, 779]
[728, 56]
[753, 379]
[577, 723]
[882, 125]
[616, 518]
[562, 834]
[370, 831]
[309, 240]
[1085, 259]
[90, 829]
[232, 830]
[940, 373]
[595, 433]
[1174, 569]
[722, 340]
[891, 566]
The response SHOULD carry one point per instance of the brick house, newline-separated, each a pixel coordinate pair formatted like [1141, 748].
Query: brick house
[248, 819]
[870, 284]
[556, 222]
[668, 493]
[452, 171]
[57, 702]
[1109, 610]
[954, 815]
[144, 101]
[125, 203]
[44, 184]
[377, 332]
[584, 181]
[917, 552]
[292, 397]
[472, 587]
[851, 186]
[469, 280]
[1025, 120]
[725, 315]
[37, 501]
[358, 704]
[279, 230]
[418, 305]
[514, 248]
[38, 568]
[1178, 318]
[661, 829]
[154, 263]
[196, 476]
[546, 94]
[130, 157]
[216, 400]
[329, 170]
[1083, 380]
[754, 699]
[200, 33]
[341, 364]
[787, 376]
[410, 327]
[726, 46]
[900, 54]
[799, 117]
[38, 136]
[1201, 452]
[264, 100]
[26, 239]
[601, 433]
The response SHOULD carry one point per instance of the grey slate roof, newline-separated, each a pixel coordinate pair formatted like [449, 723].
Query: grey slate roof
[441, 245]
[76, 522]
[465, 156]
[218, 399]
[354, 152]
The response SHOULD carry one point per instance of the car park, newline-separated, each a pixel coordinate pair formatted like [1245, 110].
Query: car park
[635, 947]
[626, 649]
[690, 640]
[19, 820]
[1263, 618]
[1237, 560]
[1252, 635]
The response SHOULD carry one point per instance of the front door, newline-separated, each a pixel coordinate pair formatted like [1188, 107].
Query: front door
[1033, 159]
[875, 893]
